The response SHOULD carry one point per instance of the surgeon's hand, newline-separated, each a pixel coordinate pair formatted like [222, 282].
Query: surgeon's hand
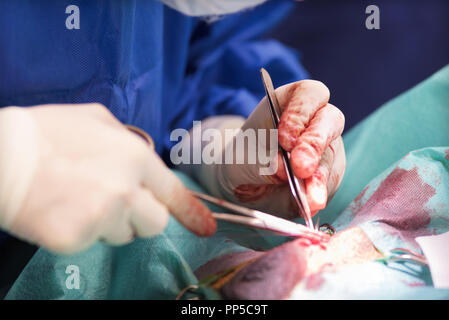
[73, 174]
[310, 128]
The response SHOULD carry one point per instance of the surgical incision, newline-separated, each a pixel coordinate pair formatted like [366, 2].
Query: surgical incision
[275, 273]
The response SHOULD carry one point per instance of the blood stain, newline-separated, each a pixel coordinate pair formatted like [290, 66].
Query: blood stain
[314, 281]
[415, 284]
[399, 202]
[357, 203]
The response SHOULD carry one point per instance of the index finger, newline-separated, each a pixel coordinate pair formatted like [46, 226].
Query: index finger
[169, 190]
[326, 126]
[300, 101]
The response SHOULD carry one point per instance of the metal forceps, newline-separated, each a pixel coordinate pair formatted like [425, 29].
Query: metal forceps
[261, 220]
[297, 186]
[405, 255]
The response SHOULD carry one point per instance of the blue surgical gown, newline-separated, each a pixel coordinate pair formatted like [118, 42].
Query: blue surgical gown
[150, 65]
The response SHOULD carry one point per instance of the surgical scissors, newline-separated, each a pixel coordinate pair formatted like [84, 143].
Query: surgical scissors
[261, 220]
[297, 186]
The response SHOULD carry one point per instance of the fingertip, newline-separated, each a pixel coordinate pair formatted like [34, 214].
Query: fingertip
[210, 227]
[316, 194]
[198, 219]
[304, 162]
[318, 197]
[210, 224]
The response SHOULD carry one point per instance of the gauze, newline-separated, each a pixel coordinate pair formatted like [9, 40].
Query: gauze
[210, 7]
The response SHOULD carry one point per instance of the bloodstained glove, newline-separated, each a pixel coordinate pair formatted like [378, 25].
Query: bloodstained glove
[310, 128]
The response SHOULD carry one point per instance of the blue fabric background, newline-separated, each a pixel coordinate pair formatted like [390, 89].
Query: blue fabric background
[150, 65]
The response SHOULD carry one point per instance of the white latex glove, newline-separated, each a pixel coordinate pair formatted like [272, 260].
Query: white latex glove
[310, 128]
[73, 174]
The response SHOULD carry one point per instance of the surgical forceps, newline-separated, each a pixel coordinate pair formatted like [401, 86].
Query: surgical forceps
[297, 186]
[261, 220]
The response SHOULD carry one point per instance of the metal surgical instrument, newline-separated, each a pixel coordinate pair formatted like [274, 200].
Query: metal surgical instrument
[297, 186]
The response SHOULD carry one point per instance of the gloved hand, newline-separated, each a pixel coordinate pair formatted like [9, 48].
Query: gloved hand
[73, 174]
[310, 129]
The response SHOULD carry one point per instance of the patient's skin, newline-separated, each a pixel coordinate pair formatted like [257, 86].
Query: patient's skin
[274, 274]
[348, 247]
